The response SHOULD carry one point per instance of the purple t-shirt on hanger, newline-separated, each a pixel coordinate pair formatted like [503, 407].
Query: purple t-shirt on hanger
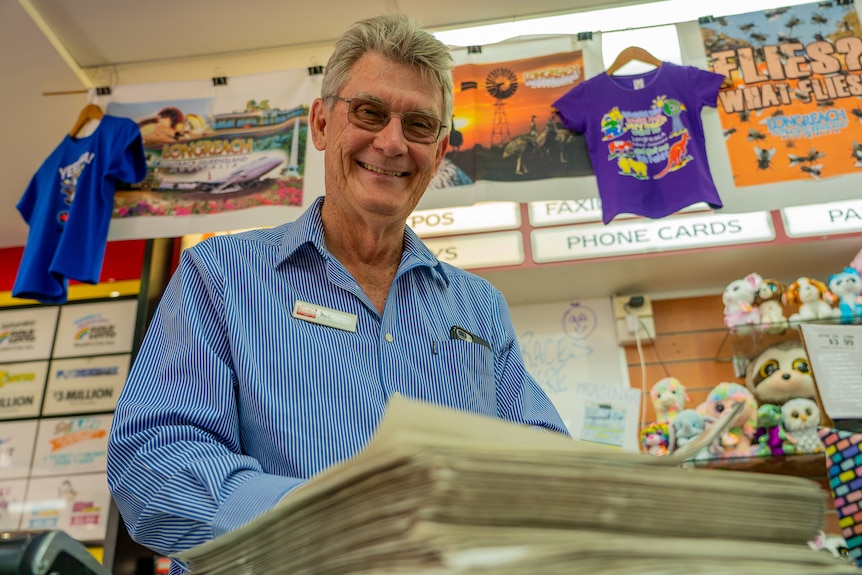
[645, 138]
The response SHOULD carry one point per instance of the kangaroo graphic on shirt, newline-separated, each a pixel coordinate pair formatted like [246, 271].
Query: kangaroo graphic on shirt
[677, 157]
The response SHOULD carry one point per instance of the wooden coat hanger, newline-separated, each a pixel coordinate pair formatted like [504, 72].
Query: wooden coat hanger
[90, 112]
[632, 53]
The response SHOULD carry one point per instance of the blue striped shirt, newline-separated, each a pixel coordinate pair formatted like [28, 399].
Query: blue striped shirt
[231, 402]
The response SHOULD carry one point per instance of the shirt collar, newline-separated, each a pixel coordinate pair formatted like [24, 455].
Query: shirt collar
[308, 229]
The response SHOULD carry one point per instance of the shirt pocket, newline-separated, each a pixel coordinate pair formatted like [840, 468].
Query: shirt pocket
[464, 373]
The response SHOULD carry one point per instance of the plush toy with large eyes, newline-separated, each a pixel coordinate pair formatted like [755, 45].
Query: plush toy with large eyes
[780, 373]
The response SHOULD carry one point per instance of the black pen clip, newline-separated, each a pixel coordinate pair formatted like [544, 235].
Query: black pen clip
[456, 332]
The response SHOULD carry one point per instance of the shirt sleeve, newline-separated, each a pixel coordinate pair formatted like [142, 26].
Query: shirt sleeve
[176, 467]
[572, 107]
[131, 165]
[705, 85]
[520, 397]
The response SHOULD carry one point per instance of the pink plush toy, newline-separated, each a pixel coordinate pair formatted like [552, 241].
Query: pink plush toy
[668, 397]
[738, 298]
[737, 441]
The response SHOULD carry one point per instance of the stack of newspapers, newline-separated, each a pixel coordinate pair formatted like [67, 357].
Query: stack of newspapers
[444, 492]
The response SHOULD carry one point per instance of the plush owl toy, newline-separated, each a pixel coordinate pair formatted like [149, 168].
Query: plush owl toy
[801, 417]
[779, 373]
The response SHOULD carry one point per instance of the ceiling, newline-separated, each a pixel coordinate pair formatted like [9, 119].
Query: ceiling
[59, 46]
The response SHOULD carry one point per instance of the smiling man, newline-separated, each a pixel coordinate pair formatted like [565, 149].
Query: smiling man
[273, 353]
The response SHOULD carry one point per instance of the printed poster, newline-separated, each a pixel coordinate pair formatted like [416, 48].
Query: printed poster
[27, 333]
[794, 111]
[68, 445]
[85, 384]
[17, 439]
[12, 493]
[96, 328]
[76, 504]
[218, 149]
[21, 388]
[504, 127]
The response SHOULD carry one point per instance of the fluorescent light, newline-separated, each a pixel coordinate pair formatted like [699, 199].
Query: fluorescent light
[606, 20]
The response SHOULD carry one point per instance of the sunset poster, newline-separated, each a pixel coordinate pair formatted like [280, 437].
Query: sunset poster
[504, 128]
[793, 112]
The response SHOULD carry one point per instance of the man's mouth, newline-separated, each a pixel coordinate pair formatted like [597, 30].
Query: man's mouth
[381, 171]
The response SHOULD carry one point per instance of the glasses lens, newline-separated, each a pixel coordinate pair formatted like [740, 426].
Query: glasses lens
[374, 116]
[420, 127]
[368, 114]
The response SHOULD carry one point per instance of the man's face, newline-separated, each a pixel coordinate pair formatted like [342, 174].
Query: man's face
[378, 175]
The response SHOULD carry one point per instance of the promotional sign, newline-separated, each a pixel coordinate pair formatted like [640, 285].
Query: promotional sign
[21, 389]
[27, 333]
[17, 439]
[793, 112]
[85, 384]
[95, 328]
[480, 251]
[71, 445]
[823, 219]
[12, 493]
[76, 504]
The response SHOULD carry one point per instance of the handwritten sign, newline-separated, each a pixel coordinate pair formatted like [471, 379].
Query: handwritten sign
[569, 344]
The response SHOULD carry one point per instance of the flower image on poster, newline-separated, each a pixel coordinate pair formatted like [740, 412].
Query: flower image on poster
[504, 128]
[793, 112]
[215, 149]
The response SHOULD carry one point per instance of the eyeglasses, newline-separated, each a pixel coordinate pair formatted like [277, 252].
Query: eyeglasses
[374, 116]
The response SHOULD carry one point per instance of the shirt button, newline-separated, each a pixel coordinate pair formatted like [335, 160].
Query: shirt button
[388, 337]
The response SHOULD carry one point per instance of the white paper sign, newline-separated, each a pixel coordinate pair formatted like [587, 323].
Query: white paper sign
[822, 219]
[484, 217]
[480, 251]
[76, 504]
[27, 333]
[608, 414]
[21, 388]
[68, 445]
[86, 384]
[835, 353]
[16, 448]
[645, 236]
[96, 328]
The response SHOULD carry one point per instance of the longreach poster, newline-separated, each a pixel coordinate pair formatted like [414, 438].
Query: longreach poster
[793, 112]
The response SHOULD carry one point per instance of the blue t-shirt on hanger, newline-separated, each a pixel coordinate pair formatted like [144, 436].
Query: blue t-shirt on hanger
[68, 206]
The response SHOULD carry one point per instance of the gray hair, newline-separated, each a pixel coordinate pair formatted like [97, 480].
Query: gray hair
[398, 38]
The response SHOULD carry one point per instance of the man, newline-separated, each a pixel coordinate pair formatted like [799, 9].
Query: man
[273, 353]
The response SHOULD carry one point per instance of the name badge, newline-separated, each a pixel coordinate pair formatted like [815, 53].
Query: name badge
[324, 316]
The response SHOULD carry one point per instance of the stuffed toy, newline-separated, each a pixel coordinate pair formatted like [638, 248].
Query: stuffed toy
[769, 302]
[737, 441]
[780, 373]
[668, 397]
[801, 418]
[847, 287]
[813, 297]
[772, 438]
[738, 300]
[688, 424]
[654, 438]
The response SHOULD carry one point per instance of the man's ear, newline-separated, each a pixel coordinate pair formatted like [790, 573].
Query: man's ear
[317, 123]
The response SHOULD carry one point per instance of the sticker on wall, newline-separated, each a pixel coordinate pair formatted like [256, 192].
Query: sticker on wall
[85, 385]
[96, 328]
[76, 504]
[71, 445]
[27, 333]
[21, 389]
[12, 492]
[16, 448]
